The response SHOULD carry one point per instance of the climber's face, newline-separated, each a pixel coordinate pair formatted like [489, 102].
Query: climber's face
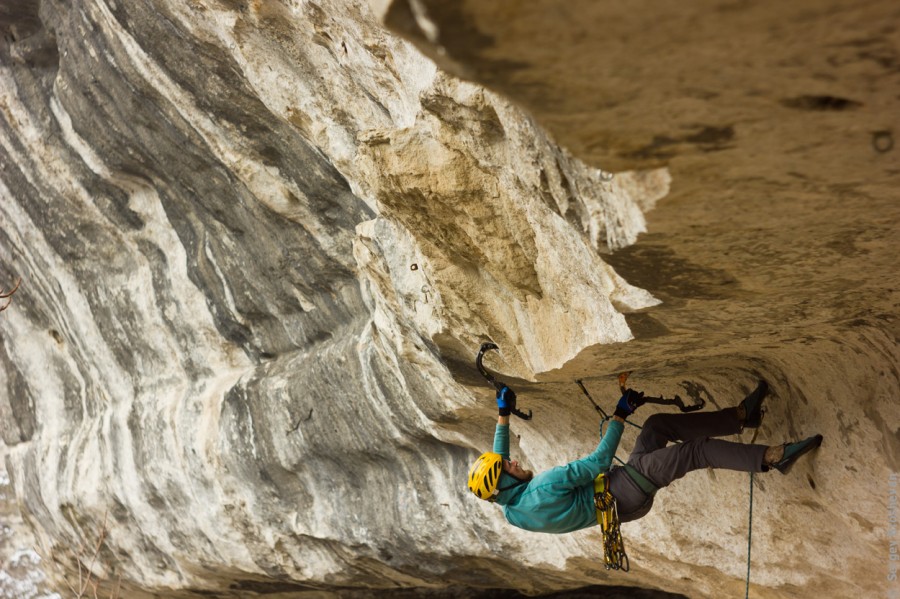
[512, 467]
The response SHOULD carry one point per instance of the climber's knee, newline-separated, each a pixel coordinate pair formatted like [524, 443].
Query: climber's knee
[654, 422]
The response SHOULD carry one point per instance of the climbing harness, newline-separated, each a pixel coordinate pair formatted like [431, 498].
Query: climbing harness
[642, 481]
[614, 556]
[498, 385]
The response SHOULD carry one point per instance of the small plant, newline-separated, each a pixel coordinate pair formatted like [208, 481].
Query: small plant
[88, 585]
[7, 295]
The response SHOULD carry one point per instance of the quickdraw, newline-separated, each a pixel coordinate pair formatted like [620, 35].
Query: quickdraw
[614, 556]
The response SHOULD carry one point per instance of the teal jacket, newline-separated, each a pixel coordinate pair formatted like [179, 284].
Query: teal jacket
[561, 499]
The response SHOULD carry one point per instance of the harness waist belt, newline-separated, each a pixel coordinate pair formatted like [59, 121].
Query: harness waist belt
[642, 481]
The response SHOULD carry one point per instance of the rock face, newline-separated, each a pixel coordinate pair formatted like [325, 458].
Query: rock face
[260, 242]
[251, 235]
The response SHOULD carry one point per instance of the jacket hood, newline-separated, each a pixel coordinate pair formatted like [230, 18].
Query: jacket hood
[514, 488]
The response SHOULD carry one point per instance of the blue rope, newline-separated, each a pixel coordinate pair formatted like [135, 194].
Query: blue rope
[749, 538]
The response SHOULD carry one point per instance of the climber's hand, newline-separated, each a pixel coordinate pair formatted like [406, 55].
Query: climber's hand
[635, 398]
[506, 400]
[630, 401]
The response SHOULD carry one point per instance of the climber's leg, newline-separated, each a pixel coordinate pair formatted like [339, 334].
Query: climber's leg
[751, 409]
[661, 429]
[671, 463]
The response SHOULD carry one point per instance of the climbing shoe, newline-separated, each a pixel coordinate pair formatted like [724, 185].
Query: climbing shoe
[752, 404]
[792, 451]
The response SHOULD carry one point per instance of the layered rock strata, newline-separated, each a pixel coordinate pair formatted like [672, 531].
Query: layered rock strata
[252, 235]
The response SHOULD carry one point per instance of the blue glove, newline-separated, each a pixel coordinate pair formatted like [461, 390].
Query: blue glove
[506, 401]
[628, 403]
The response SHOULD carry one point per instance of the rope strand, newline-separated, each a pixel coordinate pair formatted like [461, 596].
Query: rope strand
[749, 538]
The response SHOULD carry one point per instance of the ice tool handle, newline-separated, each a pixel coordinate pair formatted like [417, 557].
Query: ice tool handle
[498, 385]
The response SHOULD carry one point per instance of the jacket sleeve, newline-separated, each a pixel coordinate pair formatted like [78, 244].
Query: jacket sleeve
[501, 440]
[583, 471]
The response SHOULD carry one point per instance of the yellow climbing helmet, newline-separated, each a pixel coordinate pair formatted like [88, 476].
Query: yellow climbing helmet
[484, 475]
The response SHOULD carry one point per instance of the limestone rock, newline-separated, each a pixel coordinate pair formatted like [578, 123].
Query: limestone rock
[221, 362]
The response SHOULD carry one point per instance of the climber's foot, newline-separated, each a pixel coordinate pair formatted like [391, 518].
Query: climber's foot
[791, 452]
[750, 410]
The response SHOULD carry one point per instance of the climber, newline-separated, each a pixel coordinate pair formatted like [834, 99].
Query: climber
[562, 499]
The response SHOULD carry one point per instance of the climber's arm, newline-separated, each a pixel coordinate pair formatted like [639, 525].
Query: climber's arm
[501, 437]
[581, 472]
[506, 402]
